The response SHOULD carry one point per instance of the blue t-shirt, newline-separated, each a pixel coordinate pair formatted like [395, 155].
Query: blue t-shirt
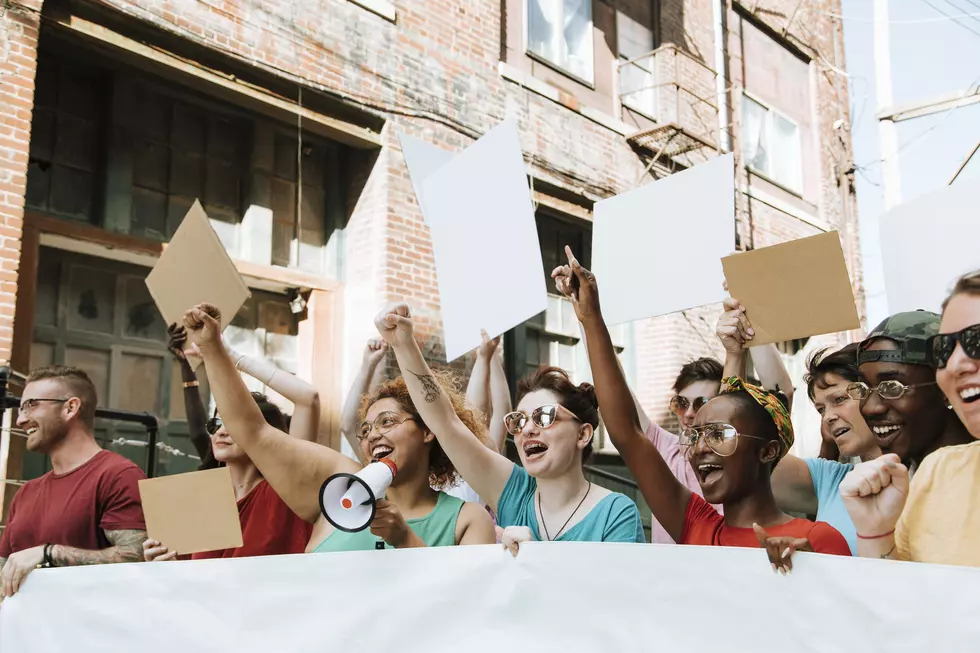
[614, 519]
[827, 476]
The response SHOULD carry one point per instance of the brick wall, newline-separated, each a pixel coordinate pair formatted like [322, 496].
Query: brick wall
[19, 22]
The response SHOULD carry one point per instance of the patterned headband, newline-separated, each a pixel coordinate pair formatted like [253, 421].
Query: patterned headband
[777, 411]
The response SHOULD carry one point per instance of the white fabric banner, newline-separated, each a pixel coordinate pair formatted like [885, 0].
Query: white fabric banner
[564, 597]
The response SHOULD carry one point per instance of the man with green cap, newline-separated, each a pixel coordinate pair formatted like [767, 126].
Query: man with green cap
[901, 402]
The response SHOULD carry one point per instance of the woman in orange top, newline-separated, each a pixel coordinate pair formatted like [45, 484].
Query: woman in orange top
[735, 442]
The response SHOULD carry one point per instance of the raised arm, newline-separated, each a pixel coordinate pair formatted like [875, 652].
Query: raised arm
[364, 382]
[294, 468]
[666, 496]
[735, 332]
[305, 423]
[485, 470]
[500, 402]
[478, 386]
[874, 493]
[194, 409]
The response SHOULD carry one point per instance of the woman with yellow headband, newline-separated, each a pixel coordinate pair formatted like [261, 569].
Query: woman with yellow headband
[735, 442]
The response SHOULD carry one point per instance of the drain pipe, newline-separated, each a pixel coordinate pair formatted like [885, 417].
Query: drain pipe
[720, 11]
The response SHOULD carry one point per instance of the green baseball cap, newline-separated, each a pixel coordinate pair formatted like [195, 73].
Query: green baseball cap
[910, 330]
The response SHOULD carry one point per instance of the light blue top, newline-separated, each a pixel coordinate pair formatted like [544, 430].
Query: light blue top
[614, 519]
[827, 476]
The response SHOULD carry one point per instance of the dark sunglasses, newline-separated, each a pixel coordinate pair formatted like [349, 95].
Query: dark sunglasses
[679, 404]
[942, 346]
[213, 425]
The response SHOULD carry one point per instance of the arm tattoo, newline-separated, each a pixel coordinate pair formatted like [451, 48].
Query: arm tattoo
[127, 546]
[429, 385]
[888, 556]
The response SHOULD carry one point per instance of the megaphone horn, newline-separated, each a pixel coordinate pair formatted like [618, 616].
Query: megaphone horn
[348, 500]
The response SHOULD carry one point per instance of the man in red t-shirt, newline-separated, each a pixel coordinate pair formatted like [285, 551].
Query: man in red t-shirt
[87, 510]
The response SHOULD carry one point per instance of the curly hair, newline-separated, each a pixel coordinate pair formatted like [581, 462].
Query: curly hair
[442, 473]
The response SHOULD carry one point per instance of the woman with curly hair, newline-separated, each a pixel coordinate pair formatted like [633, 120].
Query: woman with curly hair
[412, 515]
[548, 498]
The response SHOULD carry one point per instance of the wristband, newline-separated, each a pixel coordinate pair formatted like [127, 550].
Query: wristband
[191, 384]
[875, 537]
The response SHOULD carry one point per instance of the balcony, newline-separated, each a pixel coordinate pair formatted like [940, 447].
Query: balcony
[672, 96]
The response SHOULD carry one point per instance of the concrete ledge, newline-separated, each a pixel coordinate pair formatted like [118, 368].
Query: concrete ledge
[512, 74]
[785, 207]
[382, 8]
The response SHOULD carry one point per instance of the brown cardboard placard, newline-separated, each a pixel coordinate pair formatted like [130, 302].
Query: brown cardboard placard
[192, 512]
[794, 290]
[196, 268]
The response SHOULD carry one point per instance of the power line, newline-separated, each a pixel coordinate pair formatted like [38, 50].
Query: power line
[954, 19]
[912, 21]
[950, 3]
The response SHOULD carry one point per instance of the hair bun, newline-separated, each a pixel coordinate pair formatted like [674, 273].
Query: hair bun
[589, 391]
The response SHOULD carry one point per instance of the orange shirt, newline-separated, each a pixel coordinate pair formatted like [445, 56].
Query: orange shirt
[703, 525]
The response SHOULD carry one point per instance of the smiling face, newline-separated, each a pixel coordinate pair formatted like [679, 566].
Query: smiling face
[841, 421]
[46, 422]
[960, 379]
[910, 425]
[729, 478]
[553, 451]
[404, 441]
[705, 389]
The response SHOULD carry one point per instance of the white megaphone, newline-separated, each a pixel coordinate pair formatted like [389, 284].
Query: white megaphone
[348, 500]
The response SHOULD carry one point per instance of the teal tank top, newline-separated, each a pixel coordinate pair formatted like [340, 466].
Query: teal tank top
[438, 528]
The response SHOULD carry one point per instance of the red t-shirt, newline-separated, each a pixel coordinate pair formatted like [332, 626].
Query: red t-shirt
[703, 525]
[269, 527]
[74, 509]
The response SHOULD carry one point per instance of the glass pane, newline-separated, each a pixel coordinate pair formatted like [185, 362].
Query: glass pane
[75, 143]
[786, 155]
[95, 363]
[187, 174]
[138, 387]
[532, 352]
[755, 147]
[42, 353]
[151, 165]
[91, 299]
[285, 157]
[188, 132]
[42, 134]
[48, 285]
[79, 93]
[149, 216]
[578, 38]
[38, 184]
[142, 319]
[222, 188]
[71, 192]
[633, 39]
[226, 140]
[543, 33]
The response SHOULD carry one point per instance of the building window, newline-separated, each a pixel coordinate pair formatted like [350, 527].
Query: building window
[771, 144]
[560, 32]
[637, 73]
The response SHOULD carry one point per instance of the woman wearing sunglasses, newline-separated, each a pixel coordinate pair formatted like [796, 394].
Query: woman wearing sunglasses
[736, 440]
[549, 497]
[411, 515]
[269, 527]
[937, 519]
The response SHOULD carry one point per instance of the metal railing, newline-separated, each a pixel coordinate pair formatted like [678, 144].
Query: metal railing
[671, 87]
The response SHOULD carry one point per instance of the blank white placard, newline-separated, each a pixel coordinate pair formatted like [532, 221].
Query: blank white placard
[485, 241]
[422, 159]
[928, 243]
[657, 249]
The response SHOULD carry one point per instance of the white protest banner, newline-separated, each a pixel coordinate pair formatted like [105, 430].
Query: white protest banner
[422, 159]
[484, 240]
[928, 243]
[657, 249]
[565, 597]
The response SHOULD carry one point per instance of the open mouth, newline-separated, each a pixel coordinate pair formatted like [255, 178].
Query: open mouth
[381, 451]
[840, 431]
[969, 395]
[709, 473]
[30, 430]
[886, 433]
[534, 449]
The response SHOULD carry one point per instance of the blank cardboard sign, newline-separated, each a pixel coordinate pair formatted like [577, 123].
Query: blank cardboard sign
[193, 512]
[794, 290]
[642, 238]
[422, 159]
[196, 268]
[942, 229]
[485, 241]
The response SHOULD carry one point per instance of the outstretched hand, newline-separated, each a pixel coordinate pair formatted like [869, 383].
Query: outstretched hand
[374, 351]
[488, 345]
[203, 326]
[395, 325]
[177, 337]
[734, 328]
[781, 549]
[579, 285]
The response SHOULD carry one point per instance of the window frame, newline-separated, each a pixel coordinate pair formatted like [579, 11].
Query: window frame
[553, 65]
[770, 112]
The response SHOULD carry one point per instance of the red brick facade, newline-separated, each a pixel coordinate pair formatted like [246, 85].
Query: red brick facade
[435, 73]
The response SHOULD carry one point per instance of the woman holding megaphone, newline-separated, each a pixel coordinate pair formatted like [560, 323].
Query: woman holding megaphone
[548, 498]
[412, 515]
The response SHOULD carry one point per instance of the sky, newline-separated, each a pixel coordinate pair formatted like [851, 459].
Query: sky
[931, 55]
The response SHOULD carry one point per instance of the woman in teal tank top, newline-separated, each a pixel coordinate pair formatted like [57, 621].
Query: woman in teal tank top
[548, 498]
[411, 515]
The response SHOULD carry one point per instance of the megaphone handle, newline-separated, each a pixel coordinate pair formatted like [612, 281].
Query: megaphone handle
[379, 546]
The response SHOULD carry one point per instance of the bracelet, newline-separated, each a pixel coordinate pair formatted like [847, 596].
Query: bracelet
[46, 561]
[875, 537]
[191, 384]
[238, 362]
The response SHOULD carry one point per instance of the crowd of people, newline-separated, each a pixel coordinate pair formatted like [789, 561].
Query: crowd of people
[895, 478]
